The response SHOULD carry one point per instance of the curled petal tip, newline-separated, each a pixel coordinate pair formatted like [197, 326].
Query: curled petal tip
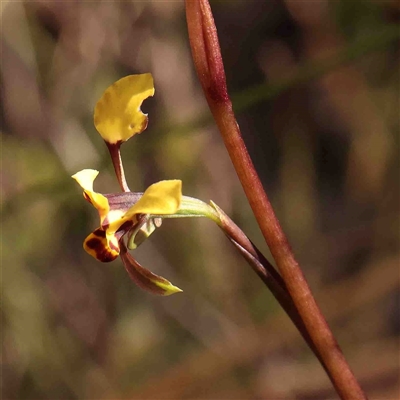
[172, 290]
[85, 178]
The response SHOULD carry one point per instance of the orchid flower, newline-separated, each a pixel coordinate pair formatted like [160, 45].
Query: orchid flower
[131, 215]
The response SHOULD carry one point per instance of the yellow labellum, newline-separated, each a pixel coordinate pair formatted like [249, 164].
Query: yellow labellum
[101, 246]
[117, 115]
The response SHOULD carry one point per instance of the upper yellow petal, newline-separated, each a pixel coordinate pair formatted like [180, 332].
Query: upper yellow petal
[85, 179]
[117, 115]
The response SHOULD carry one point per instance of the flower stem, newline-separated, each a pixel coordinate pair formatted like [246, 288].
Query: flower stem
[208, 62]
[114, 149]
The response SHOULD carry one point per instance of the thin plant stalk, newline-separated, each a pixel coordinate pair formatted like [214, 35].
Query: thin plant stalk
[115, 153]
[210, 70]
[267, 273]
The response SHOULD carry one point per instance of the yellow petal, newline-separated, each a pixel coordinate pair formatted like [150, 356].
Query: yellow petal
[161, 198]
[85, 179]
[117, 115]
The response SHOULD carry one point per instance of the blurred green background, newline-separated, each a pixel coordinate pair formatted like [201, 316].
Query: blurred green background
[324, 135]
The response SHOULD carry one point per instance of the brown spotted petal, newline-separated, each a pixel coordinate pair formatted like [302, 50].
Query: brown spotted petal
[144, 278]
[101, 246]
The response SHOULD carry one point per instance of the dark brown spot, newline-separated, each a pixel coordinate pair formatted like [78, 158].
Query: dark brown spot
[93, 244]
[99, 233]
[98, 246]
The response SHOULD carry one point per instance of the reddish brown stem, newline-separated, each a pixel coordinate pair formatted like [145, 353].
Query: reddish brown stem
[115, 153]
[267, 273]
[208, 62]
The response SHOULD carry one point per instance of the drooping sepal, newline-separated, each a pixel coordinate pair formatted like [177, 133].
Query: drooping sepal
[144, 278]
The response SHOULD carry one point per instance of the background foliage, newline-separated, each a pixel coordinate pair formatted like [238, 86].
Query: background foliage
[326, 149]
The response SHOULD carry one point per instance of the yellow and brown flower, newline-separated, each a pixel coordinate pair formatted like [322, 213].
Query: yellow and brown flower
[117, 118]
[121, 213]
